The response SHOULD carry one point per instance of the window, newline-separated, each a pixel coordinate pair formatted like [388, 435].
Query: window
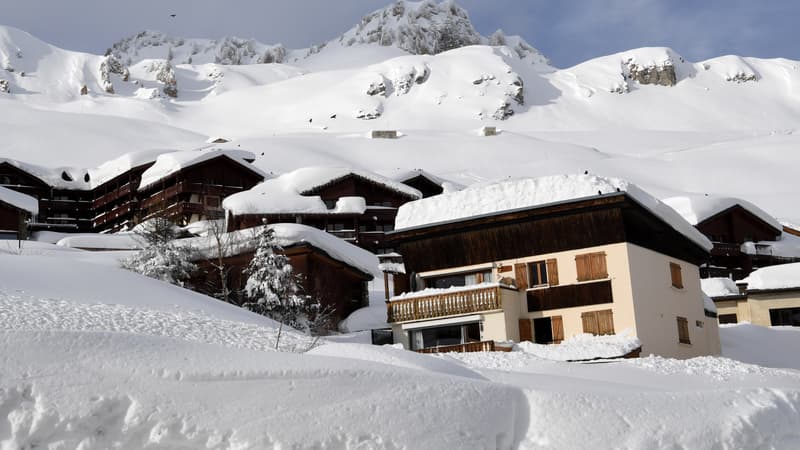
[330, 204]
[598, 322]
[675, 273]
[461, 279]
[785, 316]
[537, 273]
[591, 266]
[683, 331]
[546, 330]
[212, 201]
[446, 335]
[728, 318]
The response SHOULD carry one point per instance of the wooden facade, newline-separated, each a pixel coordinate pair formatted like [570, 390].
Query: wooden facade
[428, 187]
[367, 230]
[604, 220]
[335, 284]
[118, 203]
[728, 230]
[13, 222]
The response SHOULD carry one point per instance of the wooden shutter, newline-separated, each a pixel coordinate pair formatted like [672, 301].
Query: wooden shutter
[522, 276]
[557, 324]
[582, 265]
[599, 268]
[605, 322]
[525, 331]
[675, 274]
[552, 272]
[479, 278]
[590, 322]
[683, 331]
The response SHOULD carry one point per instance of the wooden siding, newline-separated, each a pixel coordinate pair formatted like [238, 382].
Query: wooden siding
[591, 266]
[557, 324]
[525, 330]
[570, 295]
[552, 272]
[482, 346]
[444, 305]
[424, 185]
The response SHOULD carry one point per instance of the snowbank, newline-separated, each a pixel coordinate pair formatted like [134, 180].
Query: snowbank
[583, 347]
[697, 208]
[289, 193]
[782, 276]
[508, 195]
[718, 287]
[765, 346]
[19, 200]
[97, 241]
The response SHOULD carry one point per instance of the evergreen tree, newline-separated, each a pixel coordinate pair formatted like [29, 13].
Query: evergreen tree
[272, 289]
[161, 259]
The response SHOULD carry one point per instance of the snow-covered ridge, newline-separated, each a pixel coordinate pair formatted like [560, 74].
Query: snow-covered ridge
[696, 208]
[783, 276]
[19, 200]
[508, 195]
[167, 164]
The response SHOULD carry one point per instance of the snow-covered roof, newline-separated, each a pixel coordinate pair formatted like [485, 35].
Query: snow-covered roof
[57, 177]
[783, 276]
[115, 167]
[19, 200]
[697, 208]
[447, 185]
[708, 304]
[718, 287]
[169, 163]
[284, 194]
[497, 197]
[97, 241]
[287, 235]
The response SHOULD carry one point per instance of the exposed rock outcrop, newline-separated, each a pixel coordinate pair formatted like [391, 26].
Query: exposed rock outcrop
[4, 87]
[662, 74]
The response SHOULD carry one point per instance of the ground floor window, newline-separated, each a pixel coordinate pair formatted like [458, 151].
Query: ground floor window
[728, 318]
[445, 335]
[785, 316]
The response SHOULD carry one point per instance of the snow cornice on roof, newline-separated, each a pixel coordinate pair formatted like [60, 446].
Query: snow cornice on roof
[169, 164]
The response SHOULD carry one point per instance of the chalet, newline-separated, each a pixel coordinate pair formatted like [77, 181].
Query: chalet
[190, 186]
[546, 259]
[63, 196]
[355, 205]
[331, 269]
[16, 211]
[770, 296]
[427, 183]
[744, 236]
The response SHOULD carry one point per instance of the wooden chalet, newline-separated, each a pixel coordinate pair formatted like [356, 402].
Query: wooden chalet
[16, 211]
[547, 272]
[728, 230]
[336, 281]
[195, 191]
[356, 206]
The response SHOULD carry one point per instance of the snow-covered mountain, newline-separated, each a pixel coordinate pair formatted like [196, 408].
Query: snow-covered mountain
[646, 114]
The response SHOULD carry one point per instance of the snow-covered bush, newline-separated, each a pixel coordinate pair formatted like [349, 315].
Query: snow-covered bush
[4, 88]
[161, 259]
[166, 74]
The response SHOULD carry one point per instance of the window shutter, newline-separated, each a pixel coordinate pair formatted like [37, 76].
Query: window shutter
[478, 278]
[589, 322]
[605, 321]
[525, 332]
[521, 275]
[675, 274]
[683, 331]
[583, 267]
[601, 271]
[552, 272]
[557, 324]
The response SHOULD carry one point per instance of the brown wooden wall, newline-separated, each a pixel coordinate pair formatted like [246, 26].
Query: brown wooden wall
[11, 218]
[737, 225]
[570, 295]
[334, 283]
[355, 186]
[424, 185]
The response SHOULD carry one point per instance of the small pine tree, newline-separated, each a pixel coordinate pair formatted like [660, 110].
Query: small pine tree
[272, 289]
[161, 259]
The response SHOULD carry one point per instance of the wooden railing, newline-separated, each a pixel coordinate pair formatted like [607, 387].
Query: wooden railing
[442, 305]
[726, 249]
[482, 346]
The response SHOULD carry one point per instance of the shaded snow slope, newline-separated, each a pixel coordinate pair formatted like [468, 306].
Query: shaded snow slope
[765, 346]
[782, 276]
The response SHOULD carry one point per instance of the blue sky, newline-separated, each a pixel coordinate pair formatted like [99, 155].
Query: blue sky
[567, 31]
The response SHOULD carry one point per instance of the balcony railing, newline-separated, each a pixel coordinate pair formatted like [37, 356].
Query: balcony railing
[446, 304]
[726, 249]
[482, 346]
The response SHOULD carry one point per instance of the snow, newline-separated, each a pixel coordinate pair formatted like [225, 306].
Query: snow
[697, 208]
[287, 235]
[285, 194]
[96, 241]
[783, 276]
[508, 195]
[447, 185]
[749, 343]
[169, 163]
[787, 245]
[584, 347]
[19, 200]
[708, 304]
[718, 287]
[113, 168]
[442, 291]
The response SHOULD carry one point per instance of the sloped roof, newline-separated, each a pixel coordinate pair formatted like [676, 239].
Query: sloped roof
[697, 208]
[19, 200]
[168, 164]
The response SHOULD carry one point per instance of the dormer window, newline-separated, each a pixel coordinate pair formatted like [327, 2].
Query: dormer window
[65, 176]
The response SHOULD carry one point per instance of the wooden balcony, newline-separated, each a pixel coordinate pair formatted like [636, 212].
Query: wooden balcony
[443, 305]
[726, 249]
[111, 196]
